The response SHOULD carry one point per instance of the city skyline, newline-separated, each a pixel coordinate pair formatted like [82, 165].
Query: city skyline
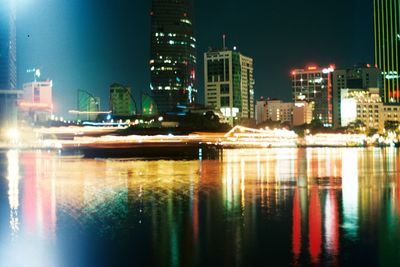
[112, 44]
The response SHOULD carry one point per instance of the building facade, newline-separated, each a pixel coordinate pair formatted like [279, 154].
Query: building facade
[274, 110]
[8, 45]
[37, 101]
[8, 63]
[364, 106]
[229, 84]
[302, 113]
[387, 46]
[359, 77]
[173, 54]
[121, 100]
[314, 84]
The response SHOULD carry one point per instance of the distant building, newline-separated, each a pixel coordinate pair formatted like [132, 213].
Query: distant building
[88, 106]
[387, 46]
[173, 54]
[314, 84]
[358, 77]
[302, 113]
[229, 84]
[8, 64]
[149, 106]
[362, 106]
[37, 101]
[261, 111]
[275, 110]
[121, 100]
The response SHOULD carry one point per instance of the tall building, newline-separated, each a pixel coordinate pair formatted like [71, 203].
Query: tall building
[229, 84]
[8, 63]
[173, 54]
[314, 84]
[121, 100]
[360, 77]
[8, 45]
[387, 46]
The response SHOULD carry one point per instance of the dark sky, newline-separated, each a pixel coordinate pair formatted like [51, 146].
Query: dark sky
[90, 44]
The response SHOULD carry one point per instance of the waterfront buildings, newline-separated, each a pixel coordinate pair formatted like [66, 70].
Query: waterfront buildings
[88, 106]
[173, 54]
[302, 113]
[37, 101]
[296, 114]
[314, 84]
[229, 84]
[121, 100]
[359, 77]
[8, 63]
[364, 106]
[274, 110]
[387, 46]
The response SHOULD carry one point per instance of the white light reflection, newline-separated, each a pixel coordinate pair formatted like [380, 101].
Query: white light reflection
[13, 190]
[350, 191]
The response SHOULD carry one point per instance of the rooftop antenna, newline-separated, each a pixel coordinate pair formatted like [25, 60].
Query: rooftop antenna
[224, 41]
[36, 74]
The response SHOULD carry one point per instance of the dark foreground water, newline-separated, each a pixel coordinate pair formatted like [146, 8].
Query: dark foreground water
[274, 207]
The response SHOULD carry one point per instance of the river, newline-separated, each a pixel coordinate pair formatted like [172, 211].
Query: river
[250, 207]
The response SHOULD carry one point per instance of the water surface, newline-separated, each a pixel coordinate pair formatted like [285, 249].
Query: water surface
[274, 207]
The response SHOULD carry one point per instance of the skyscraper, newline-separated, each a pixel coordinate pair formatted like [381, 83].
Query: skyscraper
[315, 85]
[387, 46]
[229, 84]
[8, 63]
[8, 46]
[173, 54]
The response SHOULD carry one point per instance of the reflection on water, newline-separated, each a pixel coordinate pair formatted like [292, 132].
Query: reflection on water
[252, 207]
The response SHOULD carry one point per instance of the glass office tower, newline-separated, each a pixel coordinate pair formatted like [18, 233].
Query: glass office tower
[173, 54]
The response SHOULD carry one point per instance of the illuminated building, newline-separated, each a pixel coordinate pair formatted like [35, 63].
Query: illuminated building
[88, 105]
[149, 106]
[302, 113]
[121, 100]
[229, 84]
[387, 46]
[37, 101]
[314, 84]
[358, 77]
[8, 63]
[173, 54]
[363, 106]
[274, 110]
[366, 106]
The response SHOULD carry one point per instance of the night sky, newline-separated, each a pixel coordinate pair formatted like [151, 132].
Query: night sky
[89, 44]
